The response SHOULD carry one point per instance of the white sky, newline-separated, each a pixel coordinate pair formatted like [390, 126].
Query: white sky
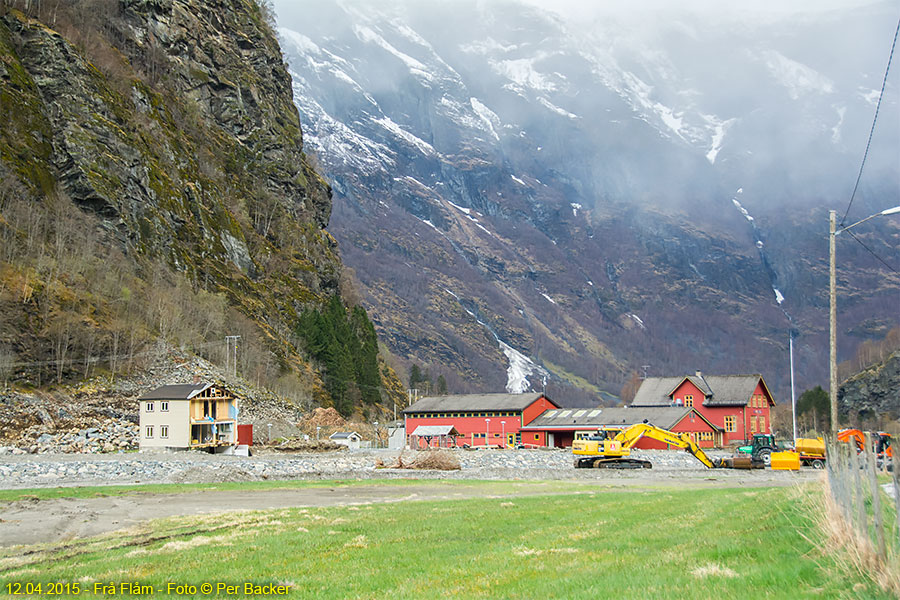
[586, 8]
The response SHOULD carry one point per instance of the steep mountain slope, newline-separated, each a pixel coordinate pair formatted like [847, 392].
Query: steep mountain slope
[874, 391]
[153, 177]
[523, 195]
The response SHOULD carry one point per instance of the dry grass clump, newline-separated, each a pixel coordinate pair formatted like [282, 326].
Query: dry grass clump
[713, 570]
[853, 553]
[439, 460]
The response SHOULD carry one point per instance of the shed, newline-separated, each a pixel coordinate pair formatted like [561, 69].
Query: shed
[351, 439]
[443, 436]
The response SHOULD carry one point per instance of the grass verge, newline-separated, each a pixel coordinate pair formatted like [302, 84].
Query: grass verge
[660, 543]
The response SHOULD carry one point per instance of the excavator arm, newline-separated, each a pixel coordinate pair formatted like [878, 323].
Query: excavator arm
[629, 437]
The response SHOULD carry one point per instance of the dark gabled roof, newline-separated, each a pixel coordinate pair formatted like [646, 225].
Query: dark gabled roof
[654, 391]
[661, 416]
[343, 435]
[184, 391]
[475, 402]
[719, 390]
[733, 390]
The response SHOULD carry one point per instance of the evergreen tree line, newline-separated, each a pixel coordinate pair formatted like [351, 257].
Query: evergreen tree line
[345, 345]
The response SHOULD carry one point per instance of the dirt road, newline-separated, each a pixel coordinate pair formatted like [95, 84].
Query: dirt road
[34, 521]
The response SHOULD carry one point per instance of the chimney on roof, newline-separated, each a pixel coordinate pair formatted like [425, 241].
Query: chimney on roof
[699, 374]
[196, 379]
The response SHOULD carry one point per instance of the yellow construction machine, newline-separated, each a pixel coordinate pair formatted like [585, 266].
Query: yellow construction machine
[611, 449]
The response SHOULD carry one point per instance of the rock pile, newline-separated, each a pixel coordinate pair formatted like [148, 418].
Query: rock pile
[101, 414]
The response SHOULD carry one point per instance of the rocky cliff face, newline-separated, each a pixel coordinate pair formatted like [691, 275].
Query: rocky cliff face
[170, 124]
[873, 392]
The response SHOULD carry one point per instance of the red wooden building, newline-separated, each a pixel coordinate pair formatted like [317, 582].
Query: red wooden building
[558, 428]
[739, 405]
[479, 419]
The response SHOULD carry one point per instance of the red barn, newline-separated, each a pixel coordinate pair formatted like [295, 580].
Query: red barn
[560, 427]
[480, 419]
[739, 405]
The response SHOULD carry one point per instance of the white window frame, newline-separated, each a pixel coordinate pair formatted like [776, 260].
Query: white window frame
[148, 431]
[164, 432]
[164, 406]
[733, 427]
[149, 407]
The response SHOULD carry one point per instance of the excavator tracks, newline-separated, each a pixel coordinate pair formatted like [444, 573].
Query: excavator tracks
[612, 463]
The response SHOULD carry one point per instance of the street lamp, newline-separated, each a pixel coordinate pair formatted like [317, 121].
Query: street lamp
[377, 437]
[503, 426]
[317, 431]
[487, 432]
[832, 284]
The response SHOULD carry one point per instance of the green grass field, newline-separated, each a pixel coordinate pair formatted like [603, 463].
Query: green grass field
[627, 544]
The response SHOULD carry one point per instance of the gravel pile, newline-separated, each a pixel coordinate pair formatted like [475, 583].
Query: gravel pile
[190, 467]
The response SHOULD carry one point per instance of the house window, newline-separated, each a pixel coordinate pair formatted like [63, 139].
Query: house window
[149, 431]
[537, 437]
[164, 406]
[164, 431]
[762, 424]
[689, 400]
[149, 407]
[730, 423]
[752, 424]
[479, 436]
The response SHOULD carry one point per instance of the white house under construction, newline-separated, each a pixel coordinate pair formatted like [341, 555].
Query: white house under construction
[198, 415]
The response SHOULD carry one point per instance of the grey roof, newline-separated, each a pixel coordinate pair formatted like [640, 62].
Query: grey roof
[654, 391]
[432, 430]
[568, 418]
[720, 390]
[343, 435]
[184, 391]
[474, 402]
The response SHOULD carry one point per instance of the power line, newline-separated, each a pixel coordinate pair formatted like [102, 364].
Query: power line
[98, 359]
[872, 130]
[872, 252]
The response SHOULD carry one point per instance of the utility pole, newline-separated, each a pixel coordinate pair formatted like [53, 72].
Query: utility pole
[832, 332]
[793, 395]
[231, 354]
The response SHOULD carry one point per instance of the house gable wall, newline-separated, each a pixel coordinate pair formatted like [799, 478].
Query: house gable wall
[176, 418]
[687, 388]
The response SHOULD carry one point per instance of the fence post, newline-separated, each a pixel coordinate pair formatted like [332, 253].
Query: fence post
[846, 500]
[861, 522]
[896, 477]
[876, 498]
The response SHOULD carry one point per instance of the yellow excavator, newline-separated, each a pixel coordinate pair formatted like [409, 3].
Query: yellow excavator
[611, 449]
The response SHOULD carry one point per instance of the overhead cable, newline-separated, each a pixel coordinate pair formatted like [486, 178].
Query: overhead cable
[872, 130]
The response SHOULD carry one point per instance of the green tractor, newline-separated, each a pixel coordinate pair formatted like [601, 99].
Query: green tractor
[761, 448]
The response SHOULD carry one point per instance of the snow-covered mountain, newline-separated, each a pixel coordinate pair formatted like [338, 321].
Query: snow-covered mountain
[526, 195]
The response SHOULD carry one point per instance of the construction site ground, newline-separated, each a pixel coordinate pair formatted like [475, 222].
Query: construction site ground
[30, 520]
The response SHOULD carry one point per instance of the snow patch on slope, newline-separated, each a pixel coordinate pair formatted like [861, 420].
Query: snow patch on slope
[560, 111]
[796, 77]
[423, 146]
[488, 117]
[520, 366]
[369, 36]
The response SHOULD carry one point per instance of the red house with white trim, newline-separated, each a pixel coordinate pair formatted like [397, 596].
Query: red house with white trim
[480, 419]
[739, 405]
